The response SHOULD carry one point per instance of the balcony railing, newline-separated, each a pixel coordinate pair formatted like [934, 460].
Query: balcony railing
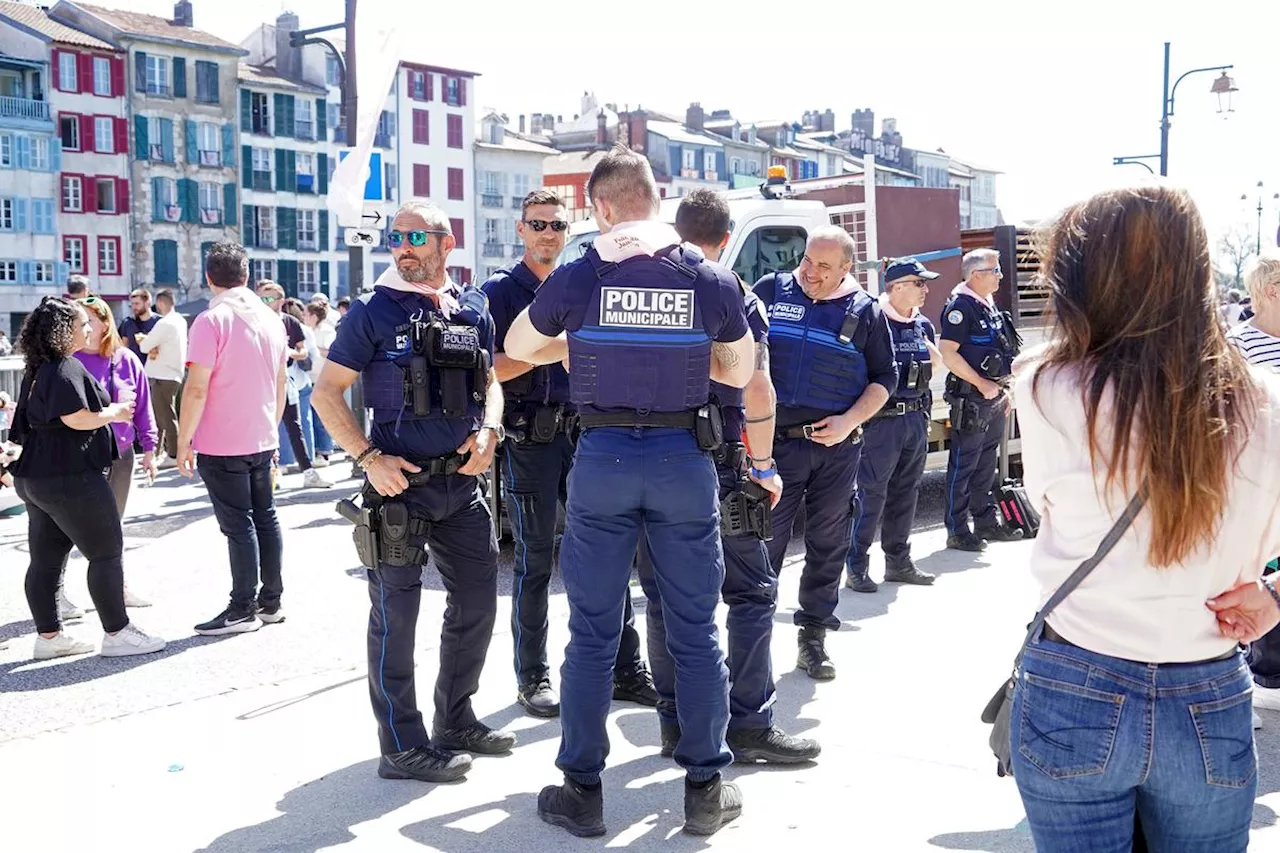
[266, 238]
[304, 129]
[493, 250]
[262, 181]
[307, 242]
[24, 108]
[382, 139]
[210, 158]
[172, 213]
[710, 175]
[517, 250]
[159, 89]
[517, 202]
[490, 200]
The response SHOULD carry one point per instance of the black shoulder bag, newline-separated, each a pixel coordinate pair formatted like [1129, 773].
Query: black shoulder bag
[1000, 706]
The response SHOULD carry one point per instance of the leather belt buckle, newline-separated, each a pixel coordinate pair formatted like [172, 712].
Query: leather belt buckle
[900, 409]
[806, 431]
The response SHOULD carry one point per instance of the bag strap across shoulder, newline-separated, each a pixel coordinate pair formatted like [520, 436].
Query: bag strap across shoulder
[1077, 577]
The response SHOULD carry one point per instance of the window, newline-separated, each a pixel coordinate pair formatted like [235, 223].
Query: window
[455, 131]
[209, 142]
[260, 115]
[306, 229]
[389, 182]
[768, 250]
[6, 149]
[455, 91]
[42, 216]
[207, 82]
[335, 115]
[304, 118]
[491, 230]
[264, 270]
[106, 195]
[455, 184]
[332, 71]
[308, 275]
[155, 135]
[102, 76]
[709, 161]
[210, 203]
[9, 271]
[109, 256]
[421, 180]
[43, 271]
[735, 165]
[104, 135]
[492, 183]
[67, 81]
[306, 163]
[688, 159]
[266, 222]
[40, 153]
[421, 127]
[521, 186]
[69, 130]
[418, 85]
[386, 130]
[157, 75]
[72, 194]
[73, 253]
[459, 232]
[262, 169]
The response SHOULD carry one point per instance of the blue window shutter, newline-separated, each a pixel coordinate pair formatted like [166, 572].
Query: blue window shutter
[179, 77]
[229, 204]
[157, 206]
[228, 146]
[189, 200]
[322, 117]
[166, 253]
[166, 139]
[282, 160]
[193, 145]
[322, 169]
[141, 143]
[322, 230]
[19, 214]
[24, 152]
[140, 71]
[55, 154]
[246, 111]
[64, 271]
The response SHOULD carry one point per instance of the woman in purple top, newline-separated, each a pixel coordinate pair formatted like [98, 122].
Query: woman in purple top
[113, 364]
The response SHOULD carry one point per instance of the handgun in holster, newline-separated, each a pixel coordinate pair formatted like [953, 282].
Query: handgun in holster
[365, 534]
[709, 427]
[746, 511]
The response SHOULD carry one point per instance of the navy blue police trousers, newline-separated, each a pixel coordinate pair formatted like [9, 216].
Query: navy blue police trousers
[463, 549]
[971, 470]
[628, 484]
[894, 451]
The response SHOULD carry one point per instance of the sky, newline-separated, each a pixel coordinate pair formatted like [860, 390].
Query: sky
[1047, 95]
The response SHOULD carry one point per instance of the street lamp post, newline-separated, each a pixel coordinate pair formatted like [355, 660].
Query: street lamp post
[1224, 87]
[1245, 197]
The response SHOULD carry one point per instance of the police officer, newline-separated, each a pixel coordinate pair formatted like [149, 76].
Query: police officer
[423, 351]
[833, 368]
[648, 324]
[747, 493]
[535, 462]
[978, 346]
[895, 442]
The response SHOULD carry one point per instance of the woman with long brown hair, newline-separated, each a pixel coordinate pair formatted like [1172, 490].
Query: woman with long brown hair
[1134, 700]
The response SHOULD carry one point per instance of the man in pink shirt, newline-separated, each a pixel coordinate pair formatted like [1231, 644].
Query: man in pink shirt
[231, 407]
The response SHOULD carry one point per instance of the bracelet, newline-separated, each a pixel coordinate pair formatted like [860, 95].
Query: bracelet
[1270, 586]
[768, 473]
[763, 420]
[760, 458]
[368, 451]
[364, 466]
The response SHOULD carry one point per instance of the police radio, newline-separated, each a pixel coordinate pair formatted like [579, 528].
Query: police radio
[454, 351]
[919, 374]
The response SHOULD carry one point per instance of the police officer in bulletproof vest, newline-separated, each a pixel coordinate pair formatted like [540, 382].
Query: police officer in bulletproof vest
[895, 442]
[978, 345]
[535, 460]
[423, 350]
[833, 368]
[749, 486]
[647, 323]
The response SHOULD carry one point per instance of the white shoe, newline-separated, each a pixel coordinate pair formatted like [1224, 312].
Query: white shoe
[319, 462]
[66, 610]
[313, 480]
[60, 646]
[1257, 721]
[131, 600]
[1266, 698]
[130, 640]
[4, 644]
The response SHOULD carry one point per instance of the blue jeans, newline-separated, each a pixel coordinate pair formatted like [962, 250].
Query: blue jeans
[1096, 738]
[240, 491]
[314, 435]
[624, 484]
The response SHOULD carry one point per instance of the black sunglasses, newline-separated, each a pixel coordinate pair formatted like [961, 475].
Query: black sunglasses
[540, 225]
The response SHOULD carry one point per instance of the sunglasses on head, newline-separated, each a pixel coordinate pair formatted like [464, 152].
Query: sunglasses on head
[269, 299]
[395, 239]
[540, 225]
[90, 300]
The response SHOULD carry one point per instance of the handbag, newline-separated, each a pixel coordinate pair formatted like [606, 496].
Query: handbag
[999, 708]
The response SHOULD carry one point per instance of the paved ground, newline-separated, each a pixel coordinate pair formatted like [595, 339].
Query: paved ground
[265, 742]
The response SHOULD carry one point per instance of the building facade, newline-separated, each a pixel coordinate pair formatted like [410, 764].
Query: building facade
[508, 166]
[566, 174]
[183, 109]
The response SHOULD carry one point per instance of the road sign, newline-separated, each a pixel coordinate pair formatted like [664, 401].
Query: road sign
[372, 186]
[363, 238]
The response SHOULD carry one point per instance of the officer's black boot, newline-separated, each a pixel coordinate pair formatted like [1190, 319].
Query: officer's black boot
[477, 738]
[636, 687]
[813, 657]
[860, 582]
[908, 573]
[771, 746]
[539, 699]
[710, 805]
[966, 541]
[670, 733]
[574, 807]
[994, 531]
[426, 764]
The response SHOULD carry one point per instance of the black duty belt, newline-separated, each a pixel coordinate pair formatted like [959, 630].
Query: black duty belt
[1054, 637]
[438, 466]
[656, 420]
[901, 408]
[806, 431]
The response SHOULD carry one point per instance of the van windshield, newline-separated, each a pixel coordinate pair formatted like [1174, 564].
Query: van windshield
[770, 249]
[577, 247]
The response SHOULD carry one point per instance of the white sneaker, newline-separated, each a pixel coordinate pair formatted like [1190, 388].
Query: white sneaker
[66, 610]
[319, 462]
[60, 646]
[4, 644]
[1257, 721]
[1267, 698]
[130, 640]
[131, 600]
[313, 480]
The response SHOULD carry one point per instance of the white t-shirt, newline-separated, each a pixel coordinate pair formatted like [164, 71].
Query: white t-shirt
[1126, 608]
[169, 337]
[1256, 345]
[325, 335]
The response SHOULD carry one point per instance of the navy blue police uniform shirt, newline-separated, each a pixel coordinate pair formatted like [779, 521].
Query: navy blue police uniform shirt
[369, 331]
[909, 345]
[975, 327]
[510, 292]
[562, 300]
[731, 398]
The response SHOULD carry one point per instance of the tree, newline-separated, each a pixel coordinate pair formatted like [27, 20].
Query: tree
[1235, 249]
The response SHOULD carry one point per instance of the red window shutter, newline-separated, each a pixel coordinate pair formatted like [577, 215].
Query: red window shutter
[90, 184]
[421, 127]
[122, 196]
[84, 64]
[462, 91]
[459, 235]
[421, 180]
[117, 85]
[86, 133]
[122, 135]
[430, 86]
[455, 184]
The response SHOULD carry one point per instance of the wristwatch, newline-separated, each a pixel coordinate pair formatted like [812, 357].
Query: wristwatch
[765, 474]
[499, 431]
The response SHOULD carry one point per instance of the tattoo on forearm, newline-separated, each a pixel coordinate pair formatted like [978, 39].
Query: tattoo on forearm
[762, 356]
[725, 355]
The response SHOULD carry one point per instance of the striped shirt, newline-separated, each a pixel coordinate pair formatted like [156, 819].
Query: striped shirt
[1256, 345]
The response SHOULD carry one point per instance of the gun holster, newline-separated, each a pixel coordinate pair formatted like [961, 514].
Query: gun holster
[966, 417]
[747, 511]
[545, 423]
[709, 427]
[365, 534]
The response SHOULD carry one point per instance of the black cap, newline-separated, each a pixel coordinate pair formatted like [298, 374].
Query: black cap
[903, 267]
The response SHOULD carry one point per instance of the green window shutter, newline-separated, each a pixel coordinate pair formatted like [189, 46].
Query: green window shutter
[179, 77]
[229, 204]
[204, 260]
[279, 115]
[141, 144]
[246, 172]
[290, 107]
[166, 254]
[291, 171]
[282, 160]
[289, 277]
[193, 148]
[139, 71]
[250, 232]
[322, 116]
[157, 204]
[228, 146]
[322, 230]
[322, 168]
[324, 277]
[246, 111]
[287, 228]
[189, 200]
[166, 139]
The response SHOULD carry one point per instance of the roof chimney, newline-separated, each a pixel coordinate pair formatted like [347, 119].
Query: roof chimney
[183, 14]
[694, 116]
[602, 130]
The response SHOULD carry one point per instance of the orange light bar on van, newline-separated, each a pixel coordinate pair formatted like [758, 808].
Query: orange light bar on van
[778, 172]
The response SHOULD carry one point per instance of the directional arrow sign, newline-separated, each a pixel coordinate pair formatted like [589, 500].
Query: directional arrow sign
[376, 216]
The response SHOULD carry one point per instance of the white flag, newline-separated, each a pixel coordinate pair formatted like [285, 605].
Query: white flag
[379, 38]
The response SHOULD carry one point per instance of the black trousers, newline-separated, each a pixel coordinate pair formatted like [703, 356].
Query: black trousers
[464, 550]
[75, 510]
[293, 426]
